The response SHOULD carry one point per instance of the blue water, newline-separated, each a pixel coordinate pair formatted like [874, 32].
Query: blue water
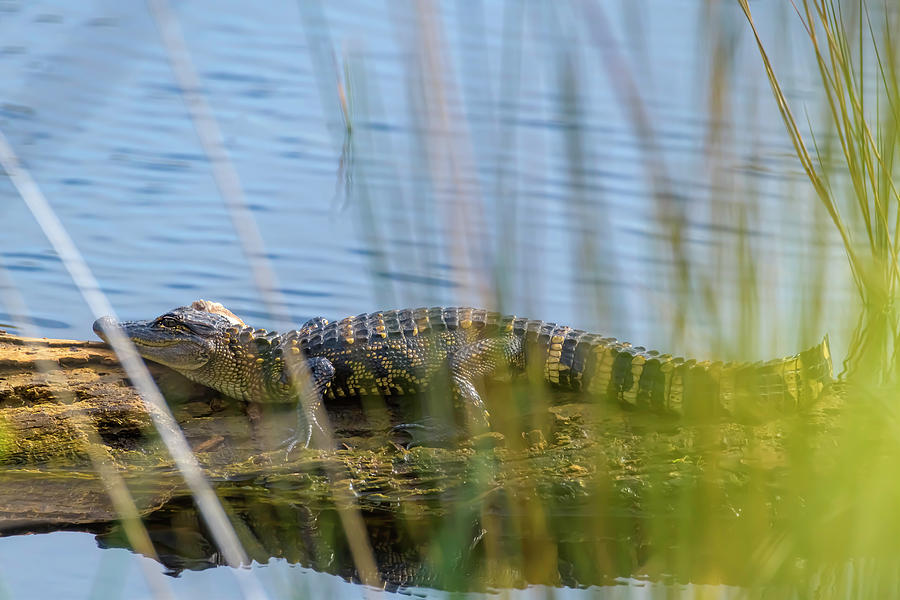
[91, 106]
[460, 164]
[117, 574]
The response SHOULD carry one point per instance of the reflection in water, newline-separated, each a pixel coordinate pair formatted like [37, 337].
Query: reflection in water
[593, 496]
[407, 548]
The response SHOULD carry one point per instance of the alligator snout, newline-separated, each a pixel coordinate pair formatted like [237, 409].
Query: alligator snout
[103, 323]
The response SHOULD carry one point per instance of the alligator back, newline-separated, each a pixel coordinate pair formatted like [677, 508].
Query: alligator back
[397, 351]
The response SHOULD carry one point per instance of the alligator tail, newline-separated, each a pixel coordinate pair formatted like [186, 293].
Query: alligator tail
[638, 378]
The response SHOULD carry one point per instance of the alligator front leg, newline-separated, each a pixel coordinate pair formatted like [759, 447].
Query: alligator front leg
[309, 388]
[313, 324]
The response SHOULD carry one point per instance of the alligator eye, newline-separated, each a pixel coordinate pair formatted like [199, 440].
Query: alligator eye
[168, 322]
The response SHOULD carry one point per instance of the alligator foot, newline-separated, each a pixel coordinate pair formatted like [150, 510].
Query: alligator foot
[292, 442]
[307, 423]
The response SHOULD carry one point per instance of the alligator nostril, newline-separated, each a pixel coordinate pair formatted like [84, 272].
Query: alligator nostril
[101, 323]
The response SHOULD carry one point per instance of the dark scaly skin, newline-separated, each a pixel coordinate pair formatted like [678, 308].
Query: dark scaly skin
[399, 352]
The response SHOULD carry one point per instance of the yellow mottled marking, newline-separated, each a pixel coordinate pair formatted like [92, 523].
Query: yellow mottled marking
[637, 364]
[295, 350]
[604, 366]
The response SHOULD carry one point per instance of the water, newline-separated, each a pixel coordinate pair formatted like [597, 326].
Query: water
[462, 164]
[93, 109]
[118, 576]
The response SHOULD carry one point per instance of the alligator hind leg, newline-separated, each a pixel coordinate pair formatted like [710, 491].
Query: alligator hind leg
[468, 403]
[309, 387]
[489, 358]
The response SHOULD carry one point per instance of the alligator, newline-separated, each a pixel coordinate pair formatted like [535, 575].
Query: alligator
[400, 352]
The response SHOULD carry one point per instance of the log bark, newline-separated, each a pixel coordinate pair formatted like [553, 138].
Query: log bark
[51, 389]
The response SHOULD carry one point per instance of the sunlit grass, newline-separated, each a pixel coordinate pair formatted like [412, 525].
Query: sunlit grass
[569, 490]
[789, 506]
[855, 181]
[575, 490]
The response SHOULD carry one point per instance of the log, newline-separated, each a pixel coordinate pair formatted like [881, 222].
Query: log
[64, 403]
[50, 389]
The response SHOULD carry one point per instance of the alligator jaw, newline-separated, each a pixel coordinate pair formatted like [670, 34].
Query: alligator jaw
[103, 324]
[180, 350]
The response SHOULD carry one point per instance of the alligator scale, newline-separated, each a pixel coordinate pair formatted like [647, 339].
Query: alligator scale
[398, 352]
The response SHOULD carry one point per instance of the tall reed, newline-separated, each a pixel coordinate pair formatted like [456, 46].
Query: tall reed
[852, 169]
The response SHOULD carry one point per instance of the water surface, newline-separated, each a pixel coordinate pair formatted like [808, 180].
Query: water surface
[494, 160]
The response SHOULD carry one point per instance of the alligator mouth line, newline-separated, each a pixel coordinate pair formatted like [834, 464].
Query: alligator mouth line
[149, 344]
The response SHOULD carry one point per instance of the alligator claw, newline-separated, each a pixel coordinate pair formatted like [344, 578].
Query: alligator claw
[303, 436]
[292, 442]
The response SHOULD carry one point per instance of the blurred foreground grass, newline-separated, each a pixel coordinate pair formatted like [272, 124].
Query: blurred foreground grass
[804, 507]
[580, 492]
[801, 505]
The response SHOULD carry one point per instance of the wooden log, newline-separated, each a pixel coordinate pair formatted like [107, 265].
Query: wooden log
[63, 403]
[50, 390]
[54, 393]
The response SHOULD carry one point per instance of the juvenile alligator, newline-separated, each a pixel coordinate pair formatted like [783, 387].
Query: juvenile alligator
[398, 352]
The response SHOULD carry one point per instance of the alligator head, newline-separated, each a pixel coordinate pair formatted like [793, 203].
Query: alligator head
[192, 340]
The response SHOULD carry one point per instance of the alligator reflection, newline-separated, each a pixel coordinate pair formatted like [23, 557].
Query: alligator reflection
[308, 537]
[450, 551]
